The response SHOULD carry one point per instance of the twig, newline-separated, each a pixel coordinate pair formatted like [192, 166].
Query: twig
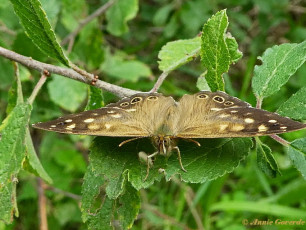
[37, 87]
[68, 194]
[70, 38]
[66, 72]
[42, 202]
[280, 140]
[172, 220]
[4, 28]
[159, 81]
[258, 103]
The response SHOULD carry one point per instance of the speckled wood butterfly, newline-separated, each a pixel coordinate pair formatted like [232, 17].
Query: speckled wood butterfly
[202, 115]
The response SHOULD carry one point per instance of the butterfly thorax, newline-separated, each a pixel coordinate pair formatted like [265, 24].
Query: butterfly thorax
[164, 144]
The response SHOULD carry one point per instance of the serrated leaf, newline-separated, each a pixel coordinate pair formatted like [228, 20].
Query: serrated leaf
[35, 22]
[295, 106]
[265, 159]
[95, 98]
[67, 93]
[232, 45]
[297, 153]
[32, 162]
[213, 159]
[119, 14]
[91, 188]
[117, 164]
[215, 55]
[174, 54]
[13, 132]
[278, 64]
[101, 213]
[129, 205]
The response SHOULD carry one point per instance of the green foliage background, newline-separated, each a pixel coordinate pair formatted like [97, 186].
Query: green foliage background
[122, 46]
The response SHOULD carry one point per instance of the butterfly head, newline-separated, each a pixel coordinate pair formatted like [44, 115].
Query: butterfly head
[164, 144]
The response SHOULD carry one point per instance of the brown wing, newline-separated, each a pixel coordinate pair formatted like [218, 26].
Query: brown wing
[216, 114]
[136, 116]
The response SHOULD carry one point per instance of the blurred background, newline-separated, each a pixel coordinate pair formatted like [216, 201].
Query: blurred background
[126, 54]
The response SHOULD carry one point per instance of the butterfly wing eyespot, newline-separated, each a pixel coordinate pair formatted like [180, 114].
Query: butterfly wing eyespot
[218, 99]
[124, 104]
[136, 100]
[152, 98]
[228, 103]
[202, 96]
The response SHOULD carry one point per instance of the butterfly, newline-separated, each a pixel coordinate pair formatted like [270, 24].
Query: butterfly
[201, 115]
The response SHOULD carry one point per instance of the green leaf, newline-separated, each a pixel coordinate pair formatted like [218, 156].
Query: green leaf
[258, 207]
[129, 205]
[234, 52]
[32, 162]
[297, 153]
[278, 64]
[118, 164]
[130, 70]
[213, 159]
[14, 95]
[95, 98]
[265, 159]
[119, 14]
[35, 22]
[177, 53]
[67, 93]
[101, 215]
[202, 83]
[215, 54]
[13, 130]
[295, 106]
[91, 188]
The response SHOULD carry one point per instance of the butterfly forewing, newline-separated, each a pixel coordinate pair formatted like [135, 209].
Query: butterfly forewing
[136, 116]
[215, 115]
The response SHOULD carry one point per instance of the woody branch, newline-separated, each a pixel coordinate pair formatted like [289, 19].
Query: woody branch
[66, 72]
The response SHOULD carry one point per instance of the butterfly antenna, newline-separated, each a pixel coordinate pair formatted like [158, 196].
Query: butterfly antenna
[193, 141]
[129, 140]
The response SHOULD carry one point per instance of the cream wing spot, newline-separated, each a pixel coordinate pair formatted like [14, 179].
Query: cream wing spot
[93, 126]
[130, 110]
[53, 126]
[283, 127]
[71, 126]
[111, 111]
[237, 128]
[234, 111]
[223, 127]
[249, 120]
[215, 109]
[68, 120]
[272, 121]
[108, 126]
[262, 128]
[117, 115]
[224, 115]
[89, 120]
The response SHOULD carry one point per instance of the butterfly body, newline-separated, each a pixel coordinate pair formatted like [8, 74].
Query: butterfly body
[201, 115]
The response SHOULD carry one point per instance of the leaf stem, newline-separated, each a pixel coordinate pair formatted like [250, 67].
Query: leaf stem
[37, 87]
[258, 103]
[280, 140]
[159, 82]
[42, 203]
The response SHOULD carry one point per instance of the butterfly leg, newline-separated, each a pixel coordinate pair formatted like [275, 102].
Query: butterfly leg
[179, 158]
[148, 164]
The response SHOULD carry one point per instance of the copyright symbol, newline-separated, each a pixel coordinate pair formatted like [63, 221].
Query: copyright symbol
[245, 222]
